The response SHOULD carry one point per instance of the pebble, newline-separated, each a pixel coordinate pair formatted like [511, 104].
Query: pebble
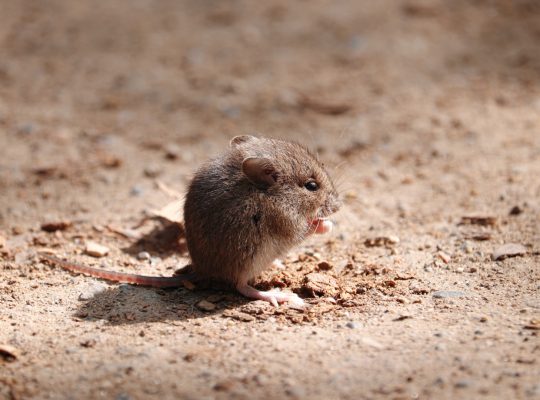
[224, 386]
[136, 191]
[172, 151]
[352, 325]
[26, 128]
[462, 384]
[445, 294]
[205, 305]
[95, 249]
[92, 290]
[516, 210]
[143, 255]
[508, 250]
[152, 171]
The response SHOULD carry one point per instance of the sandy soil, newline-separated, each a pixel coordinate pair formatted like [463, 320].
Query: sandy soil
[427, 113]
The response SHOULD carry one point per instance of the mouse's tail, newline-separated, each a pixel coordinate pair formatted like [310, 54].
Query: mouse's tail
[121, 277]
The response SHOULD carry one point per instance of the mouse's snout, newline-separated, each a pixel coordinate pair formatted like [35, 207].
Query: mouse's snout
[333, 203]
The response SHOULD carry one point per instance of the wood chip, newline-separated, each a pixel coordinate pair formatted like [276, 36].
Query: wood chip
[8, 352]
[381, 241]
[402, 318]
[444, 257]
[323, 107]
[95, 249]
[54, 226]
[508, 250]
[239, 316]
[478, 220]
[480, 236]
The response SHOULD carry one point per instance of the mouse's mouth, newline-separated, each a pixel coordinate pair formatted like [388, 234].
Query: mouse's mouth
[320, 225]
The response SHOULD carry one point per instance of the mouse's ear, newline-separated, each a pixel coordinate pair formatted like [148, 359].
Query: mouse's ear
[235, 141]
[260, 171]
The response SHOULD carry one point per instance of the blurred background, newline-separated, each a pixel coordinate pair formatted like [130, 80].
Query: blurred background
[425, 111]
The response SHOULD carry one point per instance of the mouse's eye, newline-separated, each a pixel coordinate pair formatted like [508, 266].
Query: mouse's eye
[311, 186]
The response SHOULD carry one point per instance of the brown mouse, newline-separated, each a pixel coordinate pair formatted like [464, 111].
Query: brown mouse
[243, 210]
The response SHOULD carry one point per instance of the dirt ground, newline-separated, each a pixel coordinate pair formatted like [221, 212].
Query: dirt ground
[428, 116]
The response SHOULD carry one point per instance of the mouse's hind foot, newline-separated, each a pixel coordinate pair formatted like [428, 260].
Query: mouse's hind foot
[274, 297]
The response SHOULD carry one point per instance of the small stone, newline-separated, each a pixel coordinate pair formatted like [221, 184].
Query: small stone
[516, 210]
[143, 255]
[445, 294]
[205, 305]
[462, 384]
[92, 291]
[351, 195]
[224, 386]
[95, 249]
[152, 171]
[136, 191]
[352, 325]
[508, 250]
[172, 152]
[324, 266]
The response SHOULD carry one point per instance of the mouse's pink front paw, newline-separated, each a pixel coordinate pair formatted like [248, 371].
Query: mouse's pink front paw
[271, 296]
[321, 225]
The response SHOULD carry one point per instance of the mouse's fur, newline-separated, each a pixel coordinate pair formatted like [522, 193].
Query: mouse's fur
[239, 217]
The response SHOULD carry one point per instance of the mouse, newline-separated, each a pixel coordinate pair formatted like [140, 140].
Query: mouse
[243, 210]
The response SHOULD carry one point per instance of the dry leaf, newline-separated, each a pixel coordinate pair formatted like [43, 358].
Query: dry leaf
[172, 212]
